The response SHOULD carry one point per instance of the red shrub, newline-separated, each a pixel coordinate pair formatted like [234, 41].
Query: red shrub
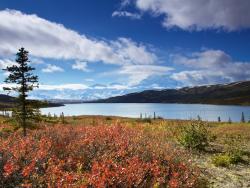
[100, 156]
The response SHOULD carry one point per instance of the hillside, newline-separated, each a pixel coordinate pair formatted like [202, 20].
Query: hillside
[7, 102]
[237, 93]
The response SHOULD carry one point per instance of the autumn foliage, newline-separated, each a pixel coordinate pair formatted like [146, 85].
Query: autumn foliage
[93, 156]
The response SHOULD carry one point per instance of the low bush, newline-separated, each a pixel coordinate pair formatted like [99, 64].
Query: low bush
[226, 159]
[195, 136]
[234, 147]
[233, 151]
[236, 157]
[221, 160]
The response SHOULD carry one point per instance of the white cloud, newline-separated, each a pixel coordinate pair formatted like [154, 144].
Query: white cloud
[209, 67]
[134, 16]
[200, 77]
[63, 87]
[4, 63]
[52, 68]
[80, 65]
[46, 39]
[205, 59]
[138, 73]
[200, 14]
[134, 53]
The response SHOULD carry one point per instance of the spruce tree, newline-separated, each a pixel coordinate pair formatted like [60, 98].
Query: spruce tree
[242, 118]
[22, 81]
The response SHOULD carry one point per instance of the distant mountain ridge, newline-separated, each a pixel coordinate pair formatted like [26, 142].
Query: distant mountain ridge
[237, 93]
[8, 102]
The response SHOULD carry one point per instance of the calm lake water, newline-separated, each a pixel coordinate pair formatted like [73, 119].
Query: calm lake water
[169, 111]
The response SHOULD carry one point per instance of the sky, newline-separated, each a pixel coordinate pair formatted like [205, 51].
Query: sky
[96, 49]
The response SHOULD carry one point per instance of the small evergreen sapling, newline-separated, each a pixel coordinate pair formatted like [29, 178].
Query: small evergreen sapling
[219, 120]
[242, 118]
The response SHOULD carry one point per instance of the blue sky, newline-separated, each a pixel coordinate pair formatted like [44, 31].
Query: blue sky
[94, 49]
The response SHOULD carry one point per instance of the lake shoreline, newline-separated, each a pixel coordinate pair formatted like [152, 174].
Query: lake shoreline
[151, 110]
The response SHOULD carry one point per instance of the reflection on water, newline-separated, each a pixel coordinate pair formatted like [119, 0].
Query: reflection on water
[169, 111]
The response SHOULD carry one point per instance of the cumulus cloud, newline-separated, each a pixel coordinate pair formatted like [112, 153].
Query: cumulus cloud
[200, 77]
[208, 67]
[138, 73]
[133, 52]
[46, 39]
[134, 16]
[52, 68]
[80, 65]
[200, 14]
[204, 59]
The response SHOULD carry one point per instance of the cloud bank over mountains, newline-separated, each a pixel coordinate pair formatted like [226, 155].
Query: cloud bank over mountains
[210, 66]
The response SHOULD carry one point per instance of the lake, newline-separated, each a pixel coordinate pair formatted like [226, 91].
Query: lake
[168, 111]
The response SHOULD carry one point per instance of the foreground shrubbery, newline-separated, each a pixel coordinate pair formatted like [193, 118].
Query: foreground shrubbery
[233, 151]
[225, 160]
[100, 156]
[195, 135]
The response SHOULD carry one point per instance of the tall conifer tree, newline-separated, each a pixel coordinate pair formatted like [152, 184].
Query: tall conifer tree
[23, 81]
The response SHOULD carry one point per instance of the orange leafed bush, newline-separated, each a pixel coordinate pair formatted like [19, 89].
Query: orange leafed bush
[86, 156]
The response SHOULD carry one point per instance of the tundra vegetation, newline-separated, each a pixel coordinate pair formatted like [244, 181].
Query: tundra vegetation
[96, 151]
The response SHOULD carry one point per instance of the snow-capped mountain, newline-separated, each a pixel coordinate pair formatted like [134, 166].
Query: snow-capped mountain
[97, 91]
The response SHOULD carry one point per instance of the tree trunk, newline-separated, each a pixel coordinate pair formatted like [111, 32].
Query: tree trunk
[23, 105]
[24, 118]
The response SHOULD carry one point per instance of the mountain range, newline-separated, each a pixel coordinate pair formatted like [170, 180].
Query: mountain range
[237, 93]
[7, 102]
